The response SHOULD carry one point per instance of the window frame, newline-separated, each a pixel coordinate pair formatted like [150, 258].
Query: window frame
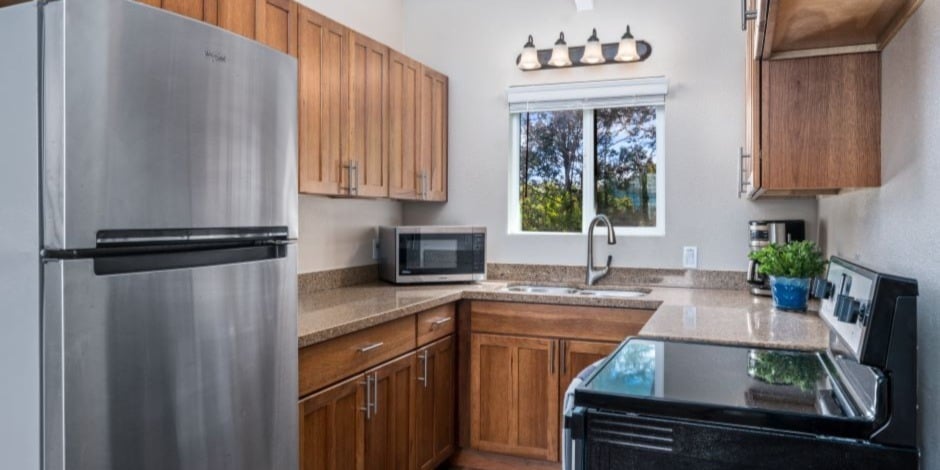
[588, 205]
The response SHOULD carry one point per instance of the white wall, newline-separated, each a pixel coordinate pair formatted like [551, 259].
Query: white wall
[337, 233]
[698, 45]
[897, 227]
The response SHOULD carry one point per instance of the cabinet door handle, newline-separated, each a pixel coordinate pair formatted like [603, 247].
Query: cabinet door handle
[746, 15]
[375, 395]
[743, 169]
[368, 407]
[439, 322]
[424, 367]
[371, 347]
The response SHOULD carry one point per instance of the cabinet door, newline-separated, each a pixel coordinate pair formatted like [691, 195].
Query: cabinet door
[432, 150]
[577, 355]
[237, 16]
[276, 25]
[404, 78]
[332, 426]
[321, 63]
[390, 427]
[435, 429]
[750, 154]
[366, 157]
[514, 395]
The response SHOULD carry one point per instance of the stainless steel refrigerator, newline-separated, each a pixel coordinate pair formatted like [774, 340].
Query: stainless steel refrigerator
[147, 256]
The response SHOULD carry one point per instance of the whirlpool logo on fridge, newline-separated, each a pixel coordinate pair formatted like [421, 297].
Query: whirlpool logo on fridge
[216, 56]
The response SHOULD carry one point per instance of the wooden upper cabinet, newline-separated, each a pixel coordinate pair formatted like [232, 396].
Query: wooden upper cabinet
[276, 24]
[404, 78]
[366, 156]
[821, 124]
[332, 427]
[432, 147]
[237, 16]
[514, 402]
[390, 429]
[807, 28]
[749, 156]
[436, 427]
[321, 63]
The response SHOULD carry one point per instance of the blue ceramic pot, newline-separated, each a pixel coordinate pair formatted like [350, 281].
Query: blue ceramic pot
[790, 293]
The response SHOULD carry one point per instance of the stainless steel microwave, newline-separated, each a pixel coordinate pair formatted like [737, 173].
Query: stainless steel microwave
[429, 254]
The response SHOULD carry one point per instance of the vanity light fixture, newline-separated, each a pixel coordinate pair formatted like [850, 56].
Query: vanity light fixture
[627, 50]
[529, 59]
[560, 57]
[594, 52]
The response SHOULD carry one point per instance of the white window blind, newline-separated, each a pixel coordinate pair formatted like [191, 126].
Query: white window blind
[588, 95]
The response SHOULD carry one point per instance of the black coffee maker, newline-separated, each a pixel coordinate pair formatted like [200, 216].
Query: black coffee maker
[766, 232]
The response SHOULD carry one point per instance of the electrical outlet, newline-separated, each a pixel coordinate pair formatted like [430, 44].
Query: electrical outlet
[375, 248]
[690, 257]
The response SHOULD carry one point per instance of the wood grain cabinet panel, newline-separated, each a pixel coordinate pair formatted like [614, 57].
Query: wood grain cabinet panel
[390, 430]
[276, 24]
[332, 427]
[321, 62]
[237, 16]
[432, 148]
[436, 427]
[435, 323]
[367, 113]
[404, 107]
[514, 395]
[821, 124]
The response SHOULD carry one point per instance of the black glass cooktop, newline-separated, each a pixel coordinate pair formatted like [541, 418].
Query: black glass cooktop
[714, 382]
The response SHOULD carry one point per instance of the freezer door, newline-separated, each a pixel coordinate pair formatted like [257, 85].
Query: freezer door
[153, 120]
[174, 369]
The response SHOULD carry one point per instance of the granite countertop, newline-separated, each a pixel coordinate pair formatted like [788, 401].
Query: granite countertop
[707, 315]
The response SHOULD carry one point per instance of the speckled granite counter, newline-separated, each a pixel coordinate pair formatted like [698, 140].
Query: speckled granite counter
[709, 315]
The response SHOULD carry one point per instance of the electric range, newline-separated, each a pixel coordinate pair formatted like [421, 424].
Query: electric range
[674, 404]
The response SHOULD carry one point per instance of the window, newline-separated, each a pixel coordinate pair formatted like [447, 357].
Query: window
[573, 164]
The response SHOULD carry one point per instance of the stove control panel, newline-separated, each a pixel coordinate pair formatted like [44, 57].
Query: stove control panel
[845, 308]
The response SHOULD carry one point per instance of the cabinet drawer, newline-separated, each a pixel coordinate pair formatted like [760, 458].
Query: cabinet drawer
[435, 323]
[328, 362]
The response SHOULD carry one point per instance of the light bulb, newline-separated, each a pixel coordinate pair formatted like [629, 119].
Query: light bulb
[593, 51]
[529, 59]
[626, 52]
[560, 53]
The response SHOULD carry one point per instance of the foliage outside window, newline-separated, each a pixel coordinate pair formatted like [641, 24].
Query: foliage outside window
[574, 164]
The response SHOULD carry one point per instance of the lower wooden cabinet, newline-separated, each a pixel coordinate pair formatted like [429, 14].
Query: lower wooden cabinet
[435, 428]
[577, 355]
[390, 423]
[332, 427]
[514, 404]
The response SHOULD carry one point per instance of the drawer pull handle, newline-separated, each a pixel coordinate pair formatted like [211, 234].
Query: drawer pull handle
[371, 347]
[440, 321]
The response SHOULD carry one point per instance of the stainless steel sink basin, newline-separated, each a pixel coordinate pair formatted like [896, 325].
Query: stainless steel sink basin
[620, 294]
[545, 290]
[564, 290]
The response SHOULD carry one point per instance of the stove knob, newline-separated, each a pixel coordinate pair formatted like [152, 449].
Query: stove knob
[847, 309]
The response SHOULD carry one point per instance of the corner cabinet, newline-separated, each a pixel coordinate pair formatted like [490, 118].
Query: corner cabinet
[813, 95]
[381, 398]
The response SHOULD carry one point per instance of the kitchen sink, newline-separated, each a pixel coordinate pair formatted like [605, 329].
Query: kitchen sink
[546, 290]
[620, 294]
[564, 290]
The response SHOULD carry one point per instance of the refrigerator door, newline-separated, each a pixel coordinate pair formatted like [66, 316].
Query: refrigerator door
[152, 120]
[175, 369]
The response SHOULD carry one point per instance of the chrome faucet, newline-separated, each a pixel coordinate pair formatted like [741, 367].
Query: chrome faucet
[592, 274]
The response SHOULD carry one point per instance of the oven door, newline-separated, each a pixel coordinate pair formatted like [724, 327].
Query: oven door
[441, 256]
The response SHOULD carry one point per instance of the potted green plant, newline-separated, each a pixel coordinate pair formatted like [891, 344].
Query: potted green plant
[790, 267]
